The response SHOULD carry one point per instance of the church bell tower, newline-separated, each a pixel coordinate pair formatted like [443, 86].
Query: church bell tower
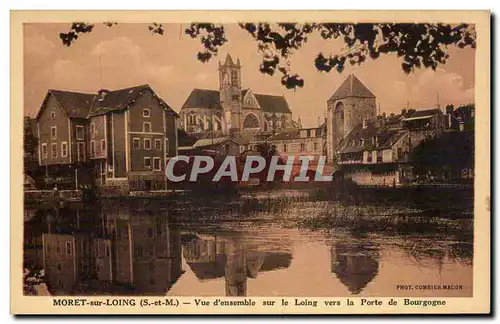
[230, 94]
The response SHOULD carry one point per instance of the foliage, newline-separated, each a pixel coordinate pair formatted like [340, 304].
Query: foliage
[30, 139]
[31, 279]
[266, 150]
[419, 45]
[450, 151]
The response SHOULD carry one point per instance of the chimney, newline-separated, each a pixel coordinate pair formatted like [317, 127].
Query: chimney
[403, 112]
[101, 94]
[365, 124]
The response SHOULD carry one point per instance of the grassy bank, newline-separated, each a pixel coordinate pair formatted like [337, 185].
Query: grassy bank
[366, 221]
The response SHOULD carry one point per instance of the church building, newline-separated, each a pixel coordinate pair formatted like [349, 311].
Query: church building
[232, 110]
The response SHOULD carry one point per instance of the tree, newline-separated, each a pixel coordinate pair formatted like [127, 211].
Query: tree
[446, 155]
[267, 150]
[419, 45]
[30, 139]
[31, 279]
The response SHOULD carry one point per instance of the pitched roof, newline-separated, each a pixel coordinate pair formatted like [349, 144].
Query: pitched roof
[122, 98]
[269, 103]
[75, 104]
[84, 105]
[285, 135]
[424, 113]
[364, 138]
[204, 98]
[352, 87]
[210, 270]
[116, 100]
[355, 266]
[211, 141]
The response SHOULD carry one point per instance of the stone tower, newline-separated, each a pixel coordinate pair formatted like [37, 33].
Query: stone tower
[347, 107]
[230, 94]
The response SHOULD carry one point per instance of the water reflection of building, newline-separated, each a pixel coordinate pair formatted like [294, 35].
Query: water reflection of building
[147, 250]
[120, 248]
[355, 264]
[210, 257]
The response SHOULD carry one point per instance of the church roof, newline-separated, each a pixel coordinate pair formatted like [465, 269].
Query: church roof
[203, 98]
[352, 87]
[275, 104]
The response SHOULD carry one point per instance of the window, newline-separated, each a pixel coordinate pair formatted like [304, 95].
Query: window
[158, 144]
[138, 251]
[156, 164]
[64, 149]
[136, 143]
[79, 132]
[400, 152]
[147, 143]
[92, 128]
[284, 147]
[146, 127]
[234, 78]
[44, 150]
[107, 251]
[103, 145]
[80, 151]
[53, 152]
[150, 233]
[302, 147]
[53, 115]
[315, 146]
[69, 248]
[147, 162]
[53, 132]
[369, 157]
[92, 148]
[379, 156]
[146, 112]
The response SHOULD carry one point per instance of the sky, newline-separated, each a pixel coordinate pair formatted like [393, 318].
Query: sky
[126, 55]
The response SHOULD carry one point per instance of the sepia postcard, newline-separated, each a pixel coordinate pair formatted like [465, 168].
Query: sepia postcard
[250, 162]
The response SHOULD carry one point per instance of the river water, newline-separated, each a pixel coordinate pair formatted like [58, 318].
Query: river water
[250, 245]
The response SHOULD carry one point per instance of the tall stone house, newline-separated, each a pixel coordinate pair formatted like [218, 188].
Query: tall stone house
[113, 139]
[347, 107]
[232, 110]
[371, 149]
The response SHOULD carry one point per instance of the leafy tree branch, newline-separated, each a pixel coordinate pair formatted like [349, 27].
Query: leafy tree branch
[418, 45]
